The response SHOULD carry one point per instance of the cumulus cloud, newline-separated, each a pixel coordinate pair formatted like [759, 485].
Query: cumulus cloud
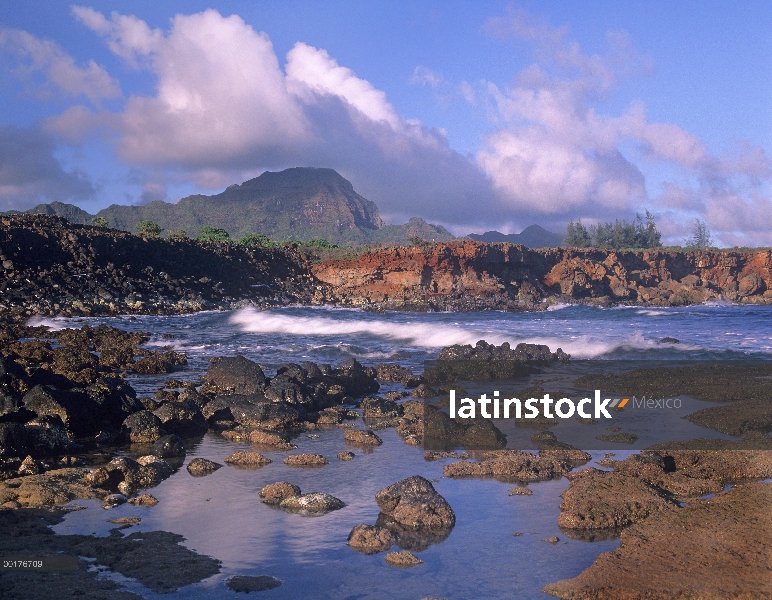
[30, 173]
[29, 57]
[225, 109]
[554, 153]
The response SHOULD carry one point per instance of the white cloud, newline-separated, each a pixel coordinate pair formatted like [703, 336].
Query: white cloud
[425, 76]
[28, 55]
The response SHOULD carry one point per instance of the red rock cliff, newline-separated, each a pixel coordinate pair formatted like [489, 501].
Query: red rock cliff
[472, 275]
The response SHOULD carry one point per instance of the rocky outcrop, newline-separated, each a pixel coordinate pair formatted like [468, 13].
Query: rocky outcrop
[413, 502]
[467, 275]
[717, 548]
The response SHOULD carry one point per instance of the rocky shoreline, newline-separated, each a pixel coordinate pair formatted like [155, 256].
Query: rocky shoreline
[53, 267]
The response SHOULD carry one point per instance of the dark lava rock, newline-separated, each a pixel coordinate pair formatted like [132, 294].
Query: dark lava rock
[403, 559]
[305, 460]
[344, 455]
[380, 408]
[362, 437]
[272, 439]
[275, 493]
[114, 500]
[14, 440]
[736, 418]
[315, 503]
[414, 502]
[669, 340]
[143, 427]
[169, 446]
[618, 438]
[423, 391]
[552, 540]
[236, 375]
[76, 412]
[47, 435]
[155, 364]
[198, 467]
[247, 459]
[250, 583]
[144, 500]
[183, 418]
[252, 411]
[392, 372]
[520, 491]
[370, 539]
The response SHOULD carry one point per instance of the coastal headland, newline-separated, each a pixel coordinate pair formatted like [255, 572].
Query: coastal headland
[53, 267]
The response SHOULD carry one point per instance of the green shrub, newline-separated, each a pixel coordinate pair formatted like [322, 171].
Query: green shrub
[148, 228]
[215, 234]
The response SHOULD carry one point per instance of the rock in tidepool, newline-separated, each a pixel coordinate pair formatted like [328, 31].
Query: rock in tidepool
[717, 548]
[601, 499]
[510, 466]
[250, 583]
[392, 372]
[246, 458]
[144, 500]
[143, 427]
[274, 439]
[315, 503]
[345, 455]
[305, 460]
[520, 491]
[114, 500]
[415, 503]
[370, 539]
[274, 493]
[48, 489]
[423, 391]
[403, 559]
[183, 418]
[235, 375]
[380, 408]
[618, 438]
[169, 446]
[198, 467]
[362, 437]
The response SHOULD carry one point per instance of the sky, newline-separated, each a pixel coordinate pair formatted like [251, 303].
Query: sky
[472, 115]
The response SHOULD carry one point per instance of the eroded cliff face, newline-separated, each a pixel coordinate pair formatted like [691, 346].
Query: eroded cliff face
[471, 275]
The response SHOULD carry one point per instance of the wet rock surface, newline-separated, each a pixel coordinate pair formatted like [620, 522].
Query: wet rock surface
[403, 558]
[362, 437]
[715, 548]
[251, 583]
[247, 459]
[510, 466]
[371, 539]
[306, 460]
[315, 503]
[275, 493]
[199, 467]
[415, 503]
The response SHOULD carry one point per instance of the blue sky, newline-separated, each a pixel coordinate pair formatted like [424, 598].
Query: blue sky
[473, 115]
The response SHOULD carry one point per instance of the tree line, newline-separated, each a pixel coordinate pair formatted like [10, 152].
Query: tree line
[641, 232]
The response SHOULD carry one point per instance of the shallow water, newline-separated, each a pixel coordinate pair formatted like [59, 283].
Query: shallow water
[221, 515]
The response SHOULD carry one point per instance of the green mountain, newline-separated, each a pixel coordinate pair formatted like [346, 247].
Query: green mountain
[70, 212]
[532, 236]
[295, 204]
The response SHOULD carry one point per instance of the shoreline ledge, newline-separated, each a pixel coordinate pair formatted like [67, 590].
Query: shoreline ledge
[51, 267]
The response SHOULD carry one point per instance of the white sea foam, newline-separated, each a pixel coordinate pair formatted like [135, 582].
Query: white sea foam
[650, 312]
[416, 334]
[53, 323]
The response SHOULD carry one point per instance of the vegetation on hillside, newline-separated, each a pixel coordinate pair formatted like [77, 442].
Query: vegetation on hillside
[638, 233]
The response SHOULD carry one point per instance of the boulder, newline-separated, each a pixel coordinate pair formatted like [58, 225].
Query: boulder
[246, 458]
[183, 418]
[370, 539]
[199, 467]
[362, 437]
[380, 408]
[392, 372]
[169, 446]
[275, 493]
[403, 559]
[14, 440]
[316, 503]
[305, 460]
[236, 375]
[143, 427]
[272, 439]
[414, 502]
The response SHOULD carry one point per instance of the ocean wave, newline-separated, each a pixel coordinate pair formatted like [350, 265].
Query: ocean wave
[416, 334]
[53, 323]
[651, 312]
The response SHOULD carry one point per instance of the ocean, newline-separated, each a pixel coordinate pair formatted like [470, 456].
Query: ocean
[220, 515]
